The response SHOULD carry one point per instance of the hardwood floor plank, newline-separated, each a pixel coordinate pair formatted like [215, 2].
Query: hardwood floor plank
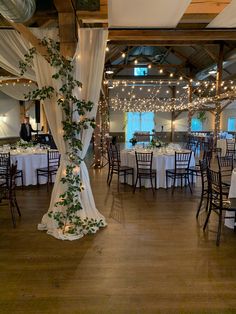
[153, 257]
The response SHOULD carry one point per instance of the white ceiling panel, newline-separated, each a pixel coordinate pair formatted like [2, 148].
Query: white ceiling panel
[226, 18]
[145, 13]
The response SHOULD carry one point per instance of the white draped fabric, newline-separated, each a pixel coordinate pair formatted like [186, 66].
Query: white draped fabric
[90, 66]
[13, 47]
[89, 63]
[18, 90]
[148, 13]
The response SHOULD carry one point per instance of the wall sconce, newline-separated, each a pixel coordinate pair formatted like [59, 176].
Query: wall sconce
[3, 118]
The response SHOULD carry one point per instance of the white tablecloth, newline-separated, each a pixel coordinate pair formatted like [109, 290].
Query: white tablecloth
[222, 144]
[29, 162]
[161, 162]
[232, 194]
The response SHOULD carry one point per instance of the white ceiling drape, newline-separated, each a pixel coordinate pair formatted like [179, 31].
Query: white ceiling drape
[146, 13]
[13, 47]
[18, 90]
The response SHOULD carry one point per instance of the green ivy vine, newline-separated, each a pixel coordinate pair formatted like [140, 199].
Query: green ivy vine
[67, 218]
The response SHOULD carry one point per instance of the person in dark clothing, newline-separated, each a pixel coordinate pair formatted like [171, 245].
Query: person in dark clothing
[26, 130]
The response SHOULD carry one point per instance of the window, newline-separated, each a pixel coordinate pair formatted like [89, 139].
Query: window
[196, 124]
[139, 122]
[140, 71]
[232, 124]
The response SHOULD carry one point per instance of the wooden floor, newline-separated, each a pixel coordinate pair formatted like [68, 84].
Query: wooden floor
[152, 258]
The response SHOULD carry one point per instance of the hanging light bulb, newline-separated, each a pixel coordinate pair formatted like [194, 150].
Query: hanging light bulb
[135, 61]
[161, 71]
[107, 49]
[149, 66]
[123, 55]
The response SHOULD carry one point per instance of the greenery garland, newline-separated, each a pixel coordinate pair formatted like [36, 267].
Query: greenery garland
[67, 218]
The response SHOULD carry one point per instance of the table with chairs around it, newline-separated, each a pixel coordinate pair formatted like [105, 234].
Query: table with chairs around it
[152, 168]
[25, 168]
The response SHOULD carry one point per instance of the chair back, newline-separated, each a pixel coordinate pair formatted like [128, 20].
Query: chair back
[144, 161]
[4, 168]
[192, 146]
[207, 154]
[215, 187]
[114, 155]
[204, 165]
[182, 160]
[53, 159]
[230, 145]
[226, 165]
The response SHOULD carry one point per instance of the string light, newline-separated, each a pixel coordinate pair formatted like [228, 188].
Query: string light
[123, 55]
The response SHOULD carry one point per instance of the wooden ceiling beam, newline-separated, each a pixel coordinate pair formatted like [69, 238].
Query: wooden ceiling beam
[175, 35]
[172, 43]
[28, 35]
[210, 6]
[67, 27]
[164, 66]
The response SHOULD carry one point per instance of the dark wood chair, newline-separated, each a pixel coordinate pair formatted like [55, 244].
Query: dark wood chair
[19, 173]
[144, 169]
[7, 190]
[218, 202]
[53, 163]
[116, 168]
[204, 164]
[230, 148]
[226, 166]
[181, 170]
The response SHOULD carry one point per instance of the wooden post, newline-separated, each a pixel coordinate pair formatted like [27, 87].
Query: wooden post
[44, 120]
[190, 113]
[67, 27]
[22, 110]
[97, 139]
[218, 91]
[173, 116]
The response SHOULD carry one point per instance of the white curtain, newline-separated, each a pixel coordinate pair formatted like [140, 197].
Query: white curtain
[89, 63]
[92, 46]
[13, 47]
[17, 90]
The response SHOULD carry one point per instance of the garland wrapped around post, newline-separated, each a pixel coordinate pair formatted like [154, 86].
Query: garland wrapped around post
[74, 121]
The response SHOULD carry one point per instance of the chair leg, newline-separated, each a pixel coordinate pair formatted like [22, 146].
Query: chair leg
[108, 175]
[111, 175]
[219, 229]
[207, 219]
[152, 185]
[200, 205]
[189, 184]
[132, 177]
[17, 207]
[173, 187]
[166, 181]
[135, 184]
[11, 207]
[140, 181]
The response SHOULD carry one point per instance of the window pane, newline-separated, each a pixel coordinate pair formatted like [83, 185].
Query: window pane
[140, 71]
[196, 124]
[231, 124]
[139, 122]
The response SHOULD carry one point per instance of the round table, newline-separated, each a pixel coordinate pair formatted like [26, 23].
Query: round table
[162, 160]
[28, 161]
[232, 196]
